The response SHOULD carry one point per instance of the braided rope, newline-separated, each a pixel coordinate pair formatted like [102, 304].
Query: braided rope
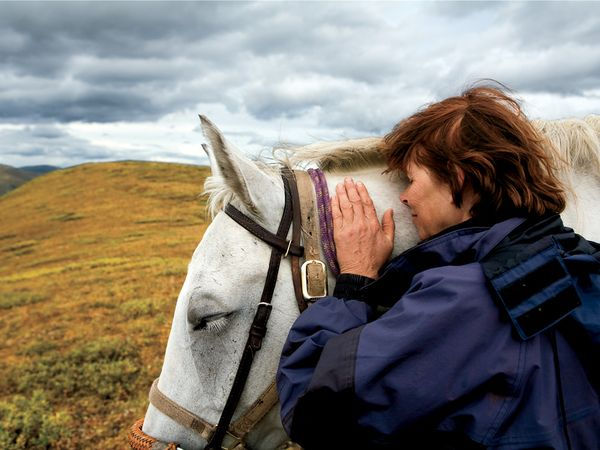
[138, 440]
[325, 219]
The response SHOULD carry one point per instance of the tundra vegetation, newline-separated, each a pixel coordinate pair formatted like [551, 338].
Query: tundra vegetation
[92, 259]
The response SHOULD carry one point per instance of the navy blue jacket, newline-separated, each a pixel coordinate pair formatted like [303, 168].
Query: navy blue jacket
[427, 356]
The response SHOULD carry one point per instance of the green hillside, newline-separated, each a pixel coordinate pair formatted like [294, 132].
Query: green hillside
[92, 259]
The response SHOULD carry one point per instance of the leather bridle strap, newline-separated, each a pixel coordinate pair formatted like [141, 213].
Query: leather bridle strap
[296, 235]
[262, 233]
[258, 328]
[314, 271]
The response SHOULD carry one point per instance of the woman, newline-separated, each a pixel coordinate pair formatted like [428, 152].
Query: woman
[491, 333]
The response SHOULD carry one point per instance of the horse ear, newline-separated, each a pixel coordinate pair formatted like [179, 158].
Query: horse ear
[237, 171]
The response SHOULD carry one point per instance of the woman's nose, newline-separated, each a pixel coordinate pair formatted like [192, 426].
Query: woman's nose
[404, 198]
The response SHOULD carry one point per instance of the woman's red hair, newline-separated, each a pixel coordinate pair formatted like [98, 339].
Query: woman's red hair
[484, 133]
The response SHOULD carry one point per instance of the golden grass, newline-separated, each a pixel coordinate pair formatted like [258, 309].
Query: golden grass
[92, 259]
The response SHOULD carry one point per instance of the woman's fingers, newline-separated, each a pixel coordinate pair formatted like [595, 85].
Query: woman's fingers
[345, 205]
[367, 203]
[354, 197]
[352, 202]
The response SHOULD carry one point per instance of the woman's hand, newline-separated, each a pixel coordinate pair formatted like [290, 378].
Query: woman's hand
[362, 244]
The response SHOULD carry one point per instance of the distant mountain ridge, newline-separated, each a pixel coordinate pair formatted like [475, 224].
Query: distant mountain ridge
[13, 177]
[40, 170]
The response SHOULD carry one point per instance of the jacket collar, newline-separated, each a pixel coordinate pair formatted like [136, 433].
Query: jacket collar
[457, 245]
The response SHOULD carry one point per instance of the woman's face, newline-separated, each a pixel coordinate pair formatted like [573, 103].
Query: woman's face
[430, 203]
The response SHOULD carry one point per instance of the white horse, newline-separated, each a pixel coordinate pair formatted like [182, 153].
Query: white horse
[227, 272]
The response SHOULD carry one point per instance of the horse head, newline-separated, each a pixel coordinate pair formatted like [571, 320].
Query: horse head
[223, 286]
[216, 306]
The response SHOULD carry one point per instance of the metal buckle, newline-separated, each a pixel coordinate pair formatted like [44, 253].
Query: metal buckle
[314, 270]
[288, 249]
[236, 443]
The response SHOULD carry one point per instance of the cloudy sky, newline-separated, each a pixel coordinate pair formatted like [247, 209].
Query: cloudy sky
[105, 81]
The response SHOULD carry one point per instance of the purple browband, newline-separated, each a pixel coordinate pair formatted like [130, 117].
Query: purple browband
[325, 219]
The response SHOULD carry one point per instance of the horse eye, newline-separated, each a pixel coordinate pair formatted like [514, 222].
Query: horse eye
[213, 322]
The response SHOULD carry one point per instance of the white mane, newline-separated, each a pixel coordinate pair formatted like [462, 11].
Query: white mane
[573, 143]
[593, 120]
[334, 156]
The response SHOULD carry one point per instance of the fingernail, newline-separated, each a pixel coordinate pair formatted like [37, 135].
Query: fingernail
[359, 183]
[348, 180]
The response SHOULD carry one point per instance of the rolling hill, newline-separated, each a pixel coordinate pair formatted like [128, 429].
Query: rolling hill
[12, 177]
[92, 259]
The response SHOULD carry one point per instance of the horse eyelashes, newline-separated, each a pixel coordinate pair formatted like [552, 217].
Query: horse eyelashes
[216, 325]
[213, 323]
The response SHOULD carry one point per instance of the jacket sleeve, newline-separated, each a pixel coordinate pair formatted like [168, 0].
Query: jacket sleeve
[351, 286]
[329, 317]
[343, 375]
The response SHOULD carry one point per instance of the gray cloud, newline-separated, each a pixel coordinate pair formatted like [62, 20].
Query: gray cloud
[132, 61]
[105, 62]
[356, 67]
[542, 25]
[49, 143]
[52, 144]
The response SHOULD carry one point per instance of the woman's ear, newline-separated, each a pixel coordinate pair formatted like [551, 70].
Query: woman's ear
[460, 175]
[457, 184]
[468, 196]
